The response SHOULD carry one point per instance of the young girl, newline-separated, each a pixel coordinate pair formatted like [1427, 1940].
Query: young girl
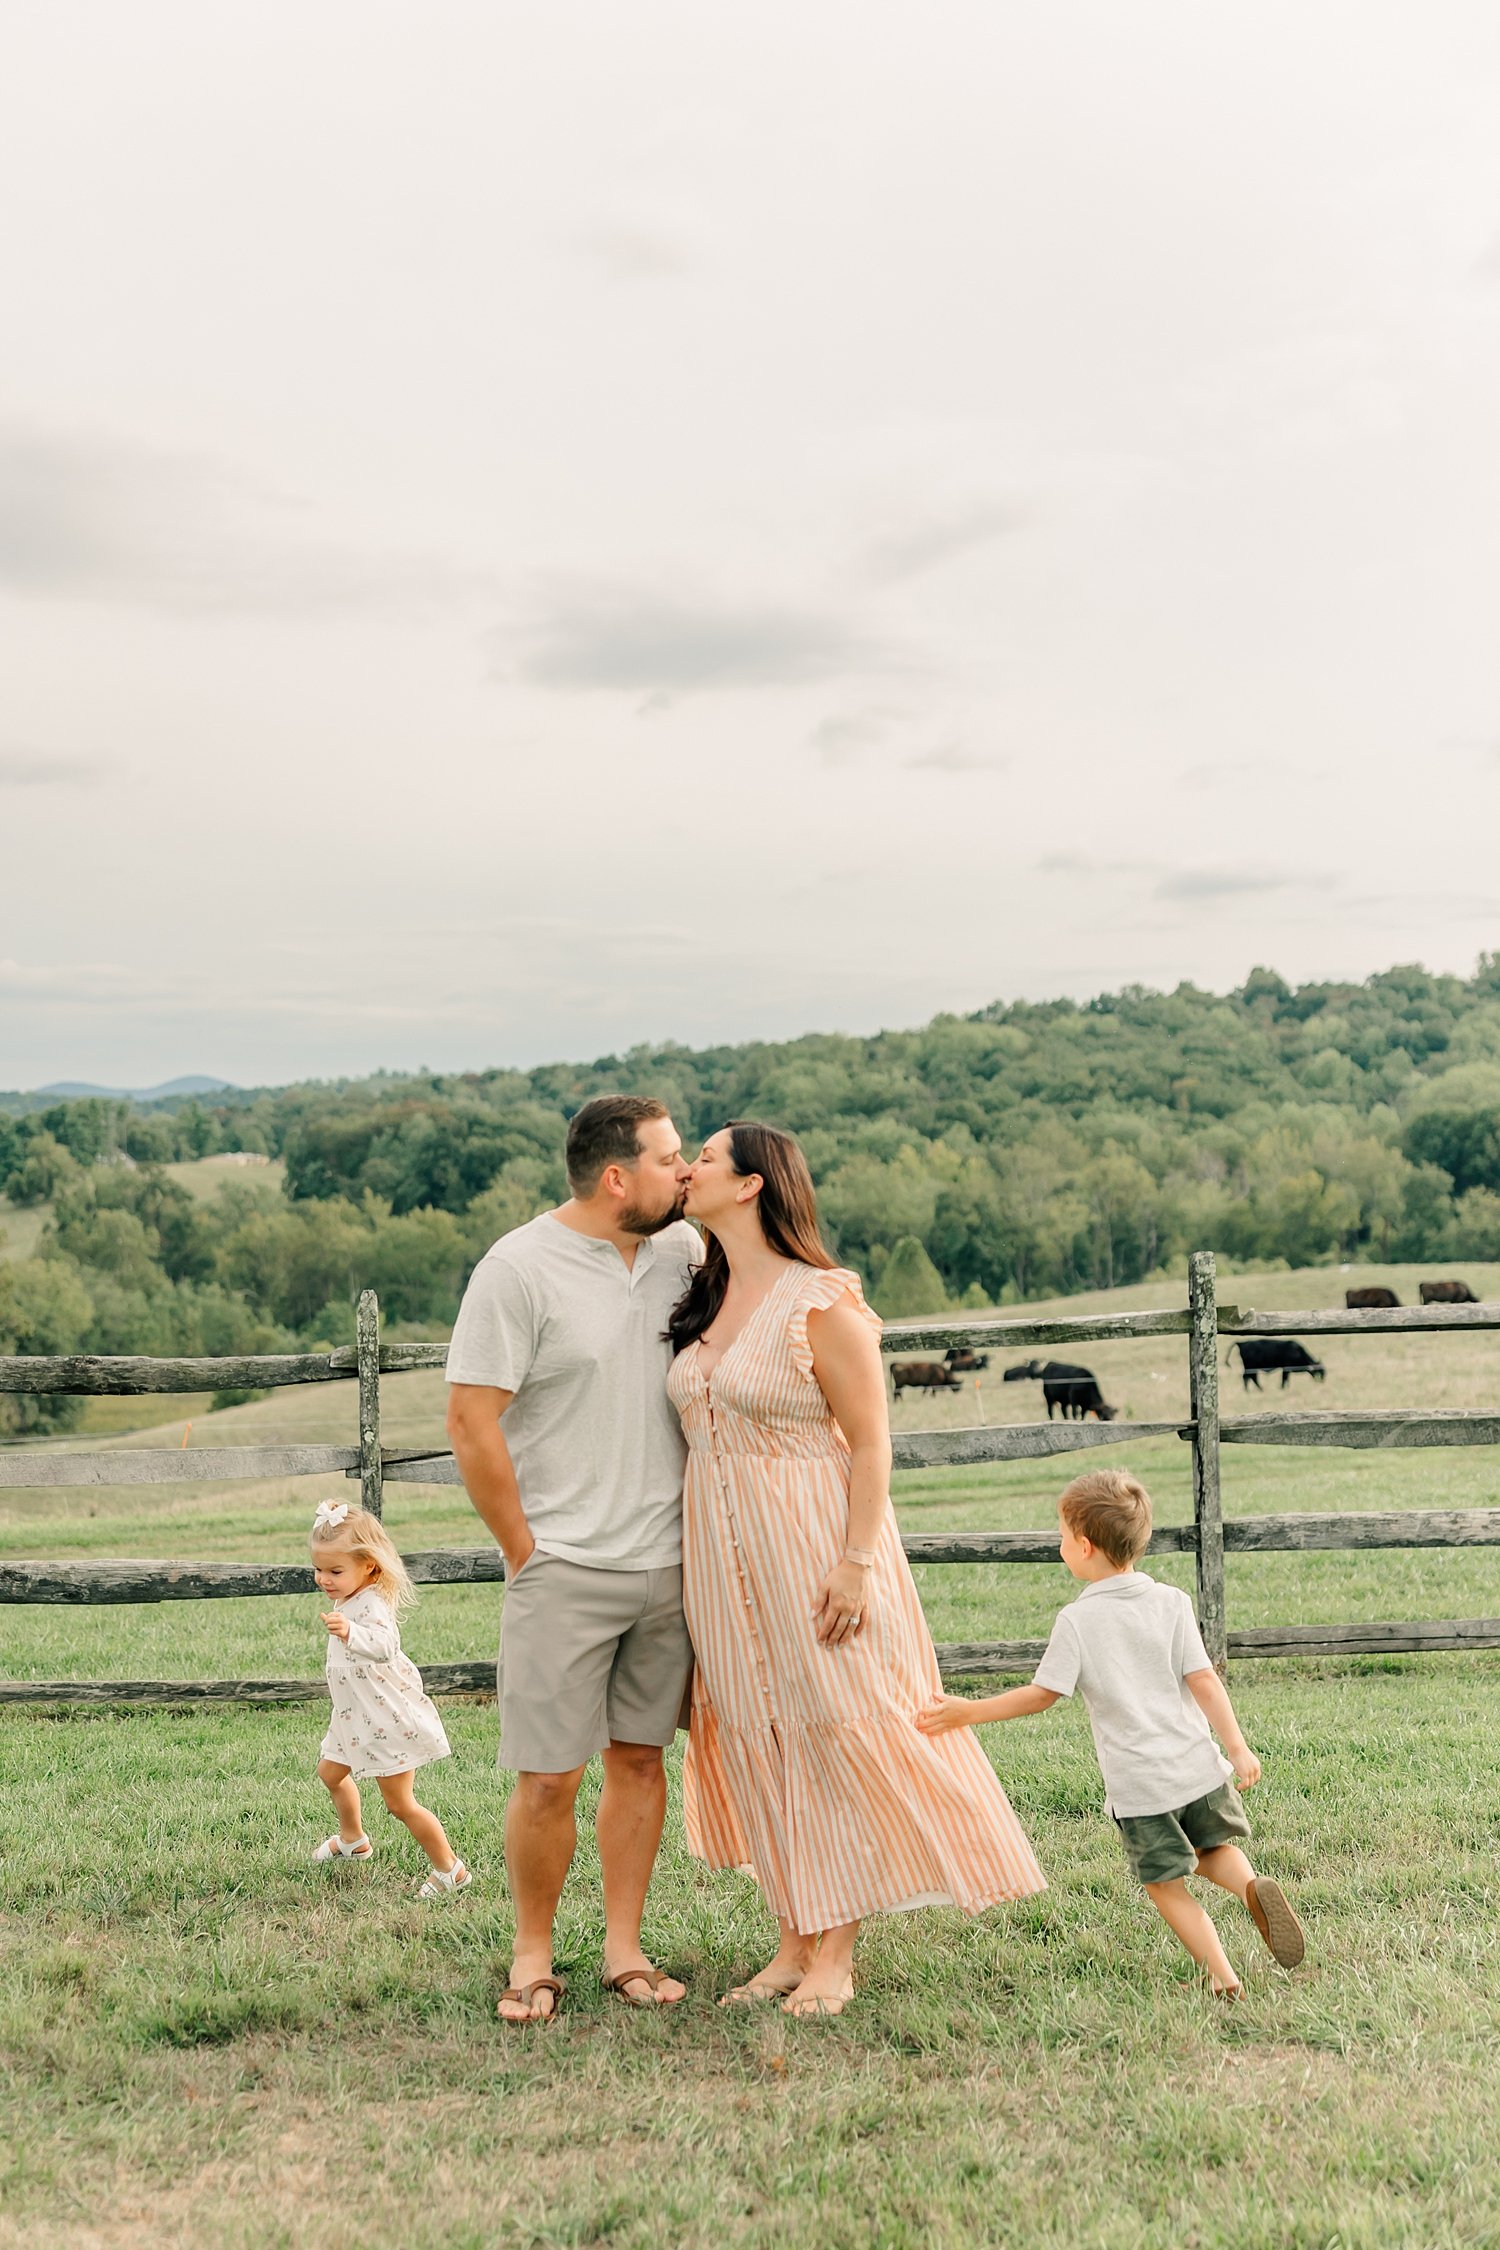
[383, 1725]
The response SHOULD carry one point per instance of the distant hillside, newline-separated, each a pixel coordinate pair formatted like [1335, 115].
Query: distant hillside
[70, 1091]
[1029, 1149]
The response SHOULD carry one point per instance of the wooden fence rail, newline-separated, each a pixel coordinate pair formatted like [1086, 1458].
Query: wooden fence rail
[1208, 1538]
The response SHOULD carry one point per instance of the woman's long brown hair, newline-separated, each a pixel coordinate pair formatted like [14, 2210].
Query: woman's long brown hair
[788, 1208]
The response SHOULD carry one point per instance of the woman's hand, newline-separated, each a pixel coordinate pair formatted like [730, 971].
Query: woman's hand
[337, 1623]
[843, 1603]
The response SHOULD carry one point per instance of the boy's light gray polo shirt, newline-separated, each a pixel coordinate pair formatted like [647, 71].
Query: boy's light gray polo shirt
[560, 1320]
[1126, 1645]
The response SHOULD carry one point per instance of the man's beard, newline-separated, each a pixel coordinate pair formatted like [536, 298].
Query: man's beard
[636, 1220]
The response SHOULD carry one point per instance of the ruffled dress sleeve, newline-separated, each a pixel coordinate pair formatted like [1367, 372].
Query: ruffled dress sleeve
[373, 1634]
[820, 1288]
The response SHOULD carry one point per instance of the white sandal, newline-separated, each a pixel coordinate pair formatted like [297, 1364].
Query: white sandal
[335, 1848]
[442, 1883]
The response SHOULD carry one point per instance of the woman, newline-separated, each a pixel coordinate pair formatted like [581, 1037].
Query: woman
[804, 1761]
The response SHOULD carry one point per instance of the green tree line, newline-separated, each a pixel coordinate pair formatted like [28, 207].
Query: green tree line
[1029, 1149]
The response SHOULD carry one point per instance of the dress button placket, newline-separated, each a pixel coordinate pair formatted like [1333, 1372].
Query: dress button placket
[739, 1552]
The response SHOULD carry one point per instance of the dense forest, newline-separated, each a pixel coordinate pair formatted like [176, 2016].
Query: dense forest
[1029, 1149]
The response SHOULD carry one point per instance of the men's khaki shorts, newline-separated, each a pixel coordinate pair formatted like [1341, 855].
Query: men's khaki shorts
[589, 1657]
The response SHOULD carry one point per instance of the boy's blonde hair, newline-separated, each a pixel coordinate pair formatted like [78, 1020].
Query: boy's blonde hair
[1112, 1510]
[352, 1531]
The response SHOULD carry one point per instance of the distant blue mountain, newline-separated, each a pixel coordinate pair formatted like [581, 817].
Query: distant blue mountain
[74, 1090]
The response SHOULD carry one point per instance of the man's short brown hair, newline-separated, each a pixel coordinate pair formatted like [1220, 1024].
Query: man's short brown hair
[607, 1131]
[1112, 1510]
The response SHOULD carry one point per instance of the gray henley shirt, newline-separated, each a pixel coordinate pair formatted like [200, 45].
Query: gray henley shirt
[560, 1320]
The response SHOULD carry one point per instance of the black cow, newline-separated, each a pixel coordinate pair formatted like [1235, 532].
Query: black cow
[1263, 1355]
[1371, 1300]
[965, 1361]
[1074, 1389]
[924, 1375]
[1446, 1293]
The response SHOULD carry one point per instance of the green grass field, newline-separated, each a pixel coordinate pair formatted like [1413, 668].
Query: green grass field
[202, 2038]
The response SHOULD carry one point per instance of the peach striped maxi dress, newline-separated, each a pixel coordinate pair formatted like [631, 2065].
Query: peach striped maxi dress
[804, 1763]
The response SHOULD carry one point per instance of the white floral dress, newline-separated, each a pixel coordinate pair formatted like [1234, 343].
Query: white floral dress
[382, 1721]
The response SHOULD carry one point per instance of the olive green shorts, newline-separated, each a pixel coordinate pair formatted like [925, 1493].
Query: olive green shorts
[1164, 1846]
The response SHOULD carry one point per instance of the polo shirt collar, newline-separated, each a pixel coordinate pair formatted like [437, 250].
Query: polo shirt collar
[1122, 1583]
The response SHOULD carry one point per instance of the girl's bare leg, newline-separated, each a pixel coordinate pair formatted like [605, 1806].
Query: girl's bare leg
[396, 1788]
[784, 1971]
[1188, 1923]
[829, 1982]
[338, 1782]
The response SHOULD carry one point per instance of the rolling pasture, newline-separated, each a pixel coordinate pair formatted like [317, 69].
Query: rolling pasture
[199, 2038]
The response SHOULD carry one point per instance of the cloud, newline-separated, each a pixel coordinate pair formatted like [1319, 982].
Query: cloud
[952, 757]
[646, 250]
[1186, 886]
[612, 637]
[1205, 777]
[1260, 770]
[74, 983]
[1081, 863]
[21, 770]
[844, 736]
[1201, 886]
[91, 517]
[1486, 746]
[904, 553]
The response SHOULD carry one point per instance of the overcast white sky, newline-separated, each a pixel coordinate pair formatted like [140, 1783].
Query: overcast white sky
[529, 528]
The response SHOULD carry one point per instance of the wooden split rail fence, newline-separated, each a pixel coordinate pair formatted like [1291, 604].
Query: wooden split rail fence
[1208, 1537]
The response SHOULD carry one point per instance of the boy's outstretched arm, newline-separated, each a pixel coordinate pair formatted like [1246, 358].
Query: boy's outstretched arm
[1212, 1698]
[952, 1711]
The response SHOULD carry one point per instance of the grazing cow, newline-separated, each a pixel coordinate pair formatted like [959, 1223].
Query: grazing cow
[1075, 1391]
[924, 1375]
[1371, 1300]
[1072, 1388]
[1263, 1355]
[965, 1361]
[1446, 1293]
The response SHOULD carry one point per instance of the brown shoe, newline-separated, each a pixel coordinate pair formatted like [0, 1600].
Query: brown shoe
[1277, 1924]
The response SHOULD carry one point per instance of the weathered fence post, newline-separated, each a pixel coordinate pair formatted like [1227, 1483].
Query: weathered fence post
[367, 1338]
[1203, 1379]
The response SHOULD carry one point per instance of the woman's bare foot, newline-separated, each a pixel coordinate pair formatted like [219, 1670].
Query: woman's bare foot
[781, 1975]
[826, 1990]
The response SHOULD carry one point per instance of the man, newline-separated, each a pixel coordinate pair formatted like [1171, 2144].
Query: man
[572, 1454]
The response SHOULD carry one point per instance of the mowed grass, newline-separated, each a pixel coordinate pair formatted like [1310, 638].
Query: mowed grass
[203, 2038]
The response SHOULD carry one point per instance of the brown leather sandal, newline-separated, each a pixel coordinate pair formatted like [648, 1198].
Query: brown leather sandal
[652, 1977]
[525, 1996]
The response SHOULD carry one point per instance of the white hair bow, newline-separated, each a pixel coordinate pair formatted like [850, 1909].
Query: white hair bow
[330, 1515]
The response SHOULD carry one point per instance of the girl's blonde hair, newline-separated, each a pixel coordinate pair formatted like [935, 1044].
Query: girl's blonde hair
[358, 1533]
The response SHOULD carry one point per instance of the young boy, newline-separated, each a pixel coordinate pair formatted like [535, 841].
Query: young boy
[1132, 1648]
